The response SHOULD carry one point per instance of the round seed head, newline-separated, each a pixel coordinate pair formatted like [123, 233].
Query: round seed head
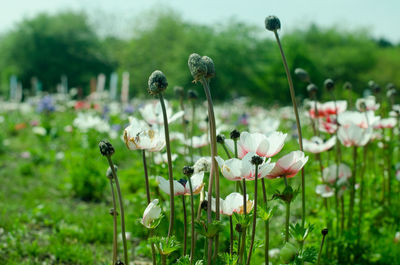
[197, 66]
[347, 86]
[324, 231]
[235, 134]
[179, 91]
[157, 82]
[188, 171]
[272, 23]
[312, 88]
[210, 66]
[329, 84]
[220, 139]
[192, 94]
[106, 148]
[302, 74]
[256, 160]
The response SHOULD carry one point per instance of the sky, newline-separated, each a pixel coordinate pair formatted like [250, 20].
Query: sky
[380, 18]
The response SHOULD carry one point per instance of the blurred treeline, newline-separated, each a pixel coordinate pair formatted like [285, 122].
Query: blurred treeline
[246, 57]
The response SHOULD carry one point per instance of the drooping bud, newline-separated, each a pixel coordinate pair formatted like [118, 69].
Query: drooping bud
[256, 160]
[197, 67]
[347, 86]
[302, 74]
[220, 139]
[109, 173]
[329, 84]
[235, 134]
[324, 231]
[188, 171]
[106, 148]
[157, 83]
[192, 94]
[210, 66]
[272, 23]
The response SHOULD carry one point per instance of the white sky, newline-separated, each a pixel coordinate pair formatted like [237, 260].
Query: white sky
[381, 17]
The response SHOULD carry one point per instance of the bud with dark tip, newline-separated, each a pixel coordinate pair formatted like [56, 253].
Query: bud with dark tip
[220, 139]
[204, 205]
[362, 105]
[157, 83]
[235, 134]
[106, 148]
[210, 66]
[347, 86]
[302, 74]
[179, 91]
[119, 262]
[272, 23]
[329, 84]
[256, 160]
[192, 94]
[197, 67]
[109, 173]
[324, 231]
[312, 89]
[238, 228]
[188, 171]
[112, 212]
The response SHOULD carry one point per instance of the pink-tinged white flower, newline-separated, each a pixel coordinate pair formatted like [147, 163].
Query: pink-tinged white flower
[176, 136]
[329, 174]
[317, 145]
[182, 187]
[387, 123]
[233, 203]
[368, 103]
[152, 113]
[236, 169]
[324, 191]
[361, 119]
[352, 135]
[288, 165]
[261, 144]
[327, 108]
[328, 127]
[151, 214]
[264, 125]
[163, 158]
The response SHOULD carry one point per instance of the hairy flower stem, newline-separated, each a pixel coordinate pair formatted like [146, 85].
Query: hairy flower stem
[184, 225]
[146, 176]
[115, 231]
[193, 236]
[192, 133]
[213, 170]
[296, 113]
[244, 229]
[361, 204]
[266, 241]
[352, 189]
[253, 233]
[121, 208]
[287, 215]
[320, 250]
[163, 259]
[231, 235]
[389, 166]
[170, 173]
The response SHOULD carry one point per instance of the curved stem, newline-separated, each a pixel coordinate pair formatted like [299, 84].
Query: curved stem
[170, 174]
[121, 207]
[231, 235]
[253, 234]
[296, 113]
[146, 176]
[115, 231]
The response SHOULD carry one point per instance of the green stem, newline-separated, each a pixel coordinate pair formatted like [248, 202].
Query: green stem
[320, 250]
[352, 189]
[163, 259]
[121, 207]
[231, 235]
[184, 225]
[146, 176]
[287, 214]
[296, 113]
[191, 138]
[193, 236]
[253, 234]
[170, 172]
[244, 229]
[266, 243]
[153, 250]
[115, 231]
[361, 210]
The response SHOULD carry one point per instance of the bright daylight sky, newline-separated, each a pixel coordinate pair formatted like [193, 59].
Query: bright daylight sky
[381, 17]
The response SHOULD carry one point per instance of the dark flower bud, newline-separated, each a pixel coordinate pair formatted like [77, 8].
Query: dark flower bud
[112, 212]
[312, 88]
[324, 231]
[347, 86]
[179, 91]
[197, 66]
[272, 23]
[235, 134]
[186, 121]
[106, 148]
[210, 66]
[192, 94]
[302, 74]
[182, 181]
[188, 171]
[256, 160]
[329, 84]
[220, 139]
[362, 105]
[238, 228]
[109, 173]
[119, 262]
[157, 83]
[206, 119]
[204, 205]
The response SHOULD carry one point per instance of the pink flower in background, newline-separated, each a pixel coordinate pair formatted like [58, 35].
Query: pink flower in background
[324, 191]
[361, 119]
[329, 173]
[288, 165]
[317, 145]
[387, 123]
[328, 127]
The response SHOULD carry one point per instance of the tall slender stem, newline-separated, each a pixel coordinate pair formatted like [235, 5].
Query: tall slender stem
[253, 233]
[121, 208]
[352, 189]
[184, 225]
[266, 241]
[244, 229]
[146, 176]
[115, 232]
[193, 236]
[153, 249]
[296, 113]
[287, 214]
[231, 235]
[361, 210]
[320, 250]
[170, 173]
[192, 134]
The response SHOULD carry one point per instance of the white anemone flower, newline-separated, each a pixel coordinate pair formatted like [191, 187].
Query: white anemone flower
[368, 102]
[317, 145]
[233, 203]
[152, 213]
[182, 187]
[324, 191]
[352, 135]
[198, 141]
[236, 169]
[163, 158]
[361, 119]
[152, 113]
[387, 123]
[263, 145]
[139, 136]
[203, 164]
[329, 174]
[288, 165]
